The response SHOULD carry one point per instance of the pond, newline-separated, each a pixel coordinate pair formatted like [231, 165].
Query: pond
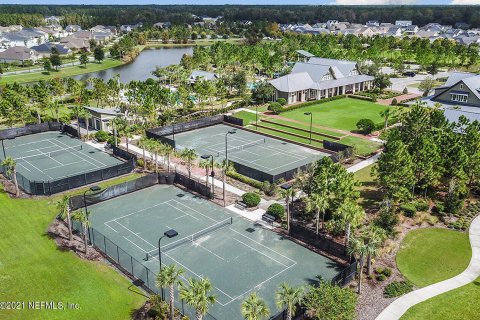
[142, 67]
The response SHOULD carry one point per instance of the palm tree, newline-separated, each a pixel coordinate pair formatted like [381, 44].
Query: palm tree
[143, 143]
[197, 294]
[374, 238]
[11, 166]
[254, 308]
[386, 114]
[318, 203]
[288, 297]
[154, 147]
[189, 156]
[167, 151]
[63, 205]
[79, 112]
[205, 164]
[358, 249]
[82, 217]
[288, 194]
[351, 214]
[169, 276]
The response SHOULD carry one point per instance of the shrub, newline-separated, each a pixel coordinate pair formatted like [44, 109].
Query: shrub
[397, 288]
[282, 101]
[101, 136]
[311, 103]
[438, 208]
[422, 206]
[387, 220]
[111, 140]
[365, 125]
[275, 107]
[140, 162]
[270, 189]
[379, 270]
[381, 277]
[329, 302]
[244, 179]
[394, 102]
[276, 210]
[387, 272]
[251, 199]
[408, 209]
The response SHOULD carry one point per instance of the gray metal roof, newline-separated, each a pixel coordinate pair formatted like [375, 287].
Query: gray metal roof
[111, 112]
[202, 74]
[343, 66]
[293, 82]
[315, 71]
[305, 53]
[341, 82]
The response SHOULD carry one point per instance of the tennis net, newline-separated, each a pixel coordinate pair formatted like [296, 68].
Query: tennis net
[49, 154]
[191, 238]
[243, 146]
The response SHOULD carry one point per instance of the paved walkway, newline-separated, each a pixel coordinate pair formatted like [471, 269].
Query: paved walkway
[364, 163]
[403, 97]
[398, 307]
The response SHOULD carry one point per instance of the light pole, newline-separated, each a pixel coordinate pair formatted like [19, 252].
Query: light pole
[256, 114]
[212, 174]
[226, 164]
[311, 120]
[94, 188]
[169, 234]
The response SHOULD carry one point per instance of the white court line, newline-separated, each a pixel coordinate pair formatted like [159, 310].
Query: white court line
[78, 156]
[264, 254]
[41, 171]
[135, 244]
[27, 143]
[138, 211]
[178, 209]
[193, 210]
[204, 248]
[111, 228]
[135, 235]
[24, 167]
[64, 165]
[45, 154]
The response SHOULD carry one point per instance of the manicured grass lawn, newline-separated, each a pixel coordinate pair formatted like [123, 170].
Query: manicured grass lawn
[363, 147]
[62, 73]
[427, 256]
[369, 193]
[248, 117]
[340, 114]
[32, 268]
[458, 304]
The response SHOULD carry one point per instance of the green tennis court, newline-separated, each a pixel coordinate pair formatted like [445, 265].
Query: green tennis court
[270, 156]
[50, 156]
[237, 255]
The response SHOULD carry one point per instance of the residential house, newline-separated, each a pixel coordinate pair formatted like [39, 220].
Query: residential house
[163, 25]
[129, 27]
[403, 23]
[373, 23]
[11, 28]
[23, 38]
[426, 34]
[245, 23]
[410, 30]
[53, 20]
[45, 49]
[320, 78]
[201, 75]
[75, 43]
[19, 54]
[459, 96]
[72, 28]
[395, 31]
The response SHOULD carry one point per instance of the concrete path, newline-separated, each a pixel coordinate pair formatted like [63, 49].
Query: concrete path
[398, 307]
[400, 98]
[364, 163]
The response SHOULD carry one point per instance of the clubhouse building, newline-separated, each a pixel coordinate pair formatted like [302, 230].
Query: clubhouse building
[319, 78]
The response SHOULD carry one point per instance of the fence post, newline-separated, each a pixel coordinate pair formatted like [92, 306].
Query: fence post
[131, 263]
[105, 244]
[118, 255]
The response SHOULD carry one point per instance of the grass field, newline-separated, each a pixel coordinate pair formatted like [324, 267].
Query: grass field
[32, 268]
[427, 256]
[62, 73]
[339, 114]
[369, 193]
[363, 147]
[458, 304]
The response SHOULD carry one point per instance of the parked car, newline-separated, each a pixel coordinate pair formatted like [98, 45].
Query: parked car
[409, 74]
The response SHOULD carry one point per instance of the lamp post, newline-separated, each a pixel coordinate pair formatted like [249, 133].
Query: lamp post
[94, 188]
[3, 146]
[212, 174]
[226, 163]
[311, 120]
[169, 234]
[256, 114]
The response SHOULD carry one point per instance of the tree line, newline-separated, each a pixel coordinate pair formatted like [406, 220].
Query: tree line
[91, 15]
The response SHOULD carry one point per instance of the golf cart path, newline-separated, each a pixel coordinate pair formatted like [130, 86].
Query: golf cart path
[398, 307]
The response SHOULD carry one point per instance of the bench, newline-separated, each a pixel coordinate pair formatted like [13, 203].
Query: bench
[240, 205]
[268, 218]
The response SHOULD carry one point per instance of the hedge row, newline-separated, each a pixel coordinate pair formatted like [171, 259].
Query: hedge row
[311, 103]
[360, 97]
[245, 179]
